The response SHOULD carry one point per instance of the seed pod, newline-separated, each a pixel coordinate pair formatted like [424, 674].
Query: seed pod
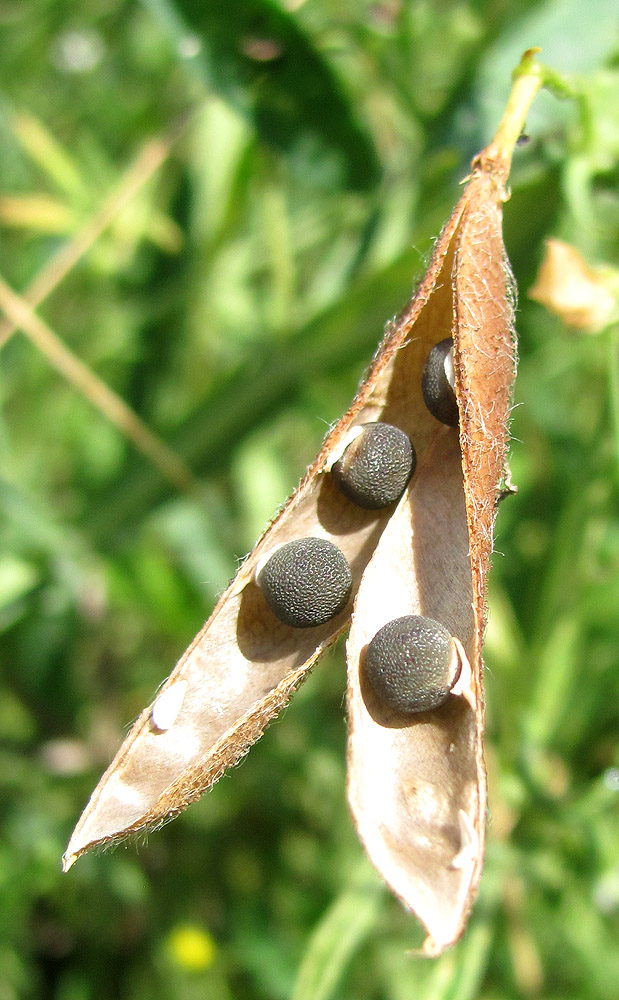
[375, 469]
[412, 664]
[306, 582]
[438, 381]
[417, 791]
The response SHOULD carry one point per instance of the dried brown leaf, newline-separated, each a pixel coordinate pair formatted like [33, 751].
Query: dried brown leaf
[583, 297]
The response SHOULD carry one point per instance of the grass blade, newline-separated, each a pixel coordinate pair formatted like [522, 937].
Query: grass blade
[347, 922]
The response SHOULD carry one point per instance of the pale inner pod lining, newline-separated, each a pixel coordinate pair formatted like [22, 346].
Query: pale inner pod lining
[167, 706]
[448, 368]
[351, 434]
[469, 842]
[464, 684]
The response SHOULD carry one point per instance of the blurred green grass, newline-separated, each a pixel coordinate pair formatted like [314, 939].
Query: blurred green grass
[234, 302]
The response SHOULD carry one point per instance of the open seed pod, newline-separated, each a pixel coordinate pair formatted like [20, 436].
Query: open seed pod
[416, 784]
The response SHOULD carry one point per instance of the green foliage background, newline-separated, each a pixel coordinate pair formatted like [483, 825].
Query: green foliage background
[315, 151]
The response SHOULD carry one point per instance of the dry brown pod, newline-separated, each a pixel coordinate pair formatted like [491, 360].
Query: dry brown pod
[416, 786]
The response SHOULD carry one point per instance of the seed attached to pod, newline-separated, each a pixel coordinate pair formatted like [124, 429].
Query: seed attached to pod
[412, 664]
[438, 383]
[306, 582]
[376, 467]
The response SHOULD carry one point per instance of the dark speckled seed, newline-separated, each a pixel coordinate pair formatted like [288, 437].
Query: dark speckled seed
[306, 582]
[376, 467]
[437, 384]
[411, 664]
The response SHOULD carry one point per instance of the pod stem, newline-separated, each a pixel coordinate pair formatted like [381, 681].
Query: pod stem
[528, 78]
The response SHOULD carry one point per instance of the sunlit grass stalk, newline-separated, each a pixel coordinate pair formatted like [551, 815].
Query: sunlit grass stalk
[150, 158]
[613, 386]
[95, 390]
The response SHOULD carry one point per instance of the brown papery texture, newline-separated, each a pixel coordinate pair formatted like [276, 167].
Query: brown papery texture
[415, 783]
[485, 362]
[416, 788]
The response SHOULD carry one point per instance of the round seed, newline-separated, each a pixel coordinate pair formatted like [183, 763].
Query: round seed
[438, 381]
[375, 469]
[412, 664]
[306, 582]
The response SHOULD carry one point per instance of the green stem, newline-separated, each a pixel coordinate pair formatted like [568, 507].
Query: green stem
[528, 78]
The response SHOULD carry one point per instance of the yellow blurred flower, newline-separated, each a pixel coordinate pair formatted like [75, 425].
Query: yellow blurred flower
[191, 947]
